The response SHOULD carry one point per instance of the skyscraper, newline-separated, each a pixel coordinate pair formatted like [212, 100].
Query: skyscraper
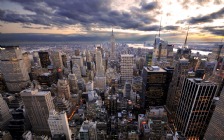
[58, 124]
[44, 59]
[38, 105]
[154, 86]
[13, 68]
[113, 51]
[126, 67]
[63, 89]
[180, 73]
[57, 59]
[160, 50]
[100, 78]
[195, 107]
[5, 115]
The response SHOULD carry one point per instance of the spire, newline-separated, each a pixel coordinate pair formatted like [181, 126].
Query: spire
[160, 26]
[185, 42]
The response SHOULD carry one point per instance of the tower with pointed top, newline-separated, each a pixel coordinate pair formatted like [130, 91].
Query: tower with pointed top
[113, 55]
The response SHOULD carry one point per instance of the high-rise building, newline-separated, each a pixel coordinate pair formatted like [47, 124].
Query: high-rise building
[160, 50]
[44, 59]
[77, 60]
[5, 115]
[13, 68]
[27, 61]
[2, 83]
[58, 124]
[126, 67]
[38, 105]
[100, 78]
[72, 83]
[113, 49]
[154, 86]
[57, 59]
[63, 89]
[215, 129]
[181, 70]
[195, 107]
[99, 64]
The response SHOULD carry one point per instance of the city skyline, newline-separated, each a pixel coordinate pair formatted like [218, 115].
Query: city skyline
[137, 20]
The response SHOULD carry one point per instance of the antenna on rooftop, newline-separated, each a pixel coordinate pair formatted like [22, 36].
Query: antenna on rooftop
[185, 42]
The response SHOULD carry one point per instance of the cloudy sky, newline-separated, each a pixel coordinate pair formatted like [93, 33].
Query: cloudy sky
[94, 19]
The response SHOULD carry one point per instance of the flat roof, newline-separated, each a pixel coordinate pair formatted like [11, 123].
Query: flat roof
[154, 69]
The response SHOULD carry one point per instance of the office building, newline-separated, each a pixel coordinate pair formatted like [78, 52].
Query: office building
[72, 83]
[58, 124]
[113, 47]
[77, 60]
[180, 72]
[44, 59]
[77, 71]
[56, 58]
[2, 83]
[215, 128]
[154, 86]
[195, 107]
[126, 67]
[88, 131]
[63, 89]
[27, 61]
[38, 105]
[160, 50]
[13, 68]
[5, 115]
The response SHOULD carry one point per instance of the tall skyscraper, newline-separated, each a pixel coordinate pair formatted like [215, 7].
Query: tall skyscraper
[154, 86]
[57, 59]
[215, 129]
[160, 50]
[5, 115]
[72, 82]
[126, 67]
[63, 89]
[99, 64]
[100, 78]
[195, 107]
[38, 105]
[44, 59]
[58, 124]
[113, 49]
[13, 68]
[180, 73]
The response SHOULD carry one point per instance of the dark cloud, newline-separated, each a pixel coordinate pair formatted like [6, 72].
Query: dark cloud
[171, 27]
[216, 30]
[95, 13]
[206, 18]
[149, 6]
[187, 3]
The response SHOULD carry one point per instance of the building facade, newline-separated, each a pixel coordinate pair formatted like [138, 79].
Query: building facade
[12, 65]
[195, 107]
[58, 124]
[38, 105]
[126, 67]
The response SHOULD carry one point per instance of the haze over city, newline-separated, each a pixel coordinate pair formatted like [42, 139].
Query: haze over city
[132, 20]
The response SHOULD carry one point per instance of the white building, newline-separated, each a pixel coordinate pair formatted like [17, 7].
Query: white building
[58, 124]
[126, 67]
[63, 89]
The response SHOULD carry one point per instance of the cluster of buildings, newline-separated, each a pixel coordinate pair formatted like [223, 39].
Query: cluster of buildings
[111, 92]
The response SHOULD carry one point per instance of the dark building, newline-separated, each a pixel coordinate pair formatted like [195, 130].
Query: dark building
[2, 83]
[44, 59]
[47, 79]
[64, 60]
[196, 107]
[154, 86]
[18, 125]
